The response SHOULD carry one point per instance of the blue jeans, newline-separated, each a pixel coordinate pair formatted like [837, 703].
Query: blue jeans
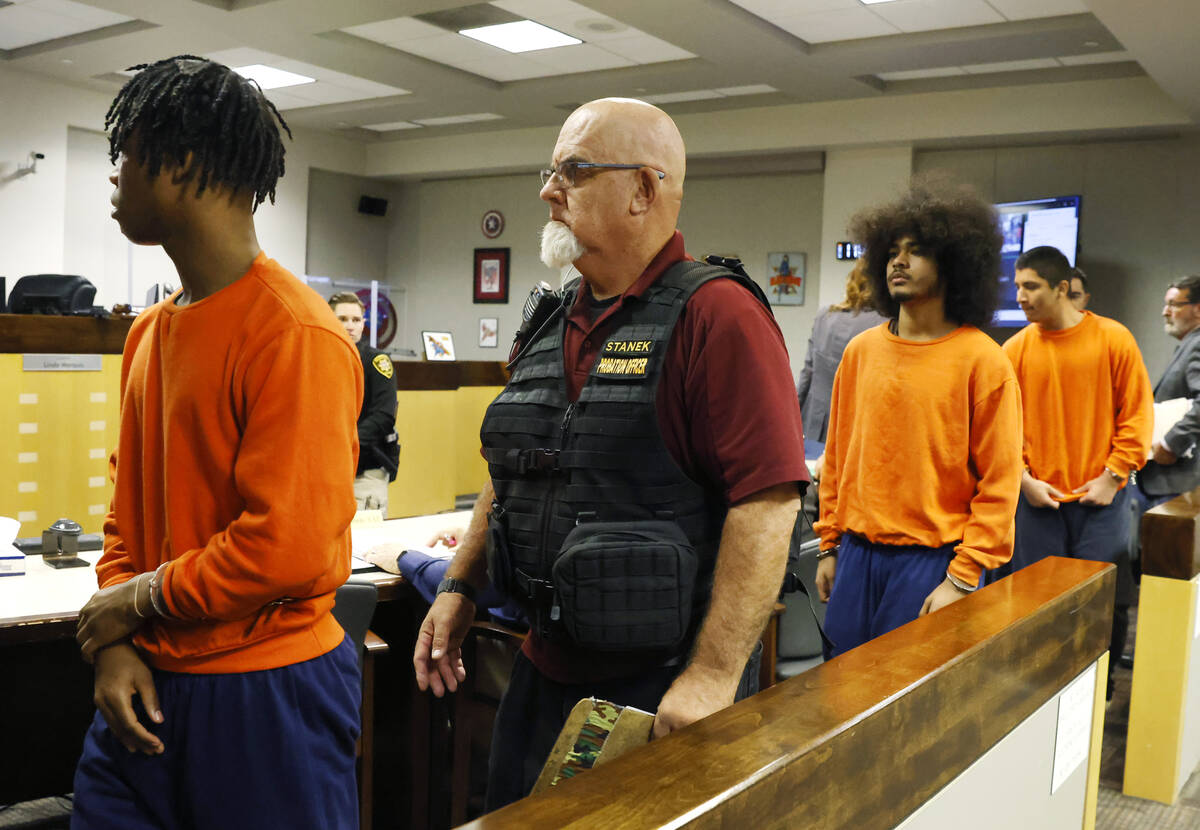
[877, 588]
[271, 748]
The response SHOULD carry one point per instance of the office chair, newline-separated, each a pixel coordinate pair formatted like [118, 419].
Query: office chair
[354, 605]
[799, 638]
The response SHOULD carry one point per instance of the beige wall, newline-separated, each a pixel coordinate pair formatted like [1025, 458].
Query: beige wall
[1138, 219]
[341, 242]
[752, 216]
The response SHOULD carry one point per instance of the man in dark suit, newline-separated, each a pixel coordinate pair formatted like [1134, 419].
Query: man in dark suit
[1175, 467]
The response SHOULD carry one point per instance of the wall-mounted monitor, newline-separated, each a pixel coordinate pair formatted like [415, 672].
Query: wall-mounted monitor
[1024, 225]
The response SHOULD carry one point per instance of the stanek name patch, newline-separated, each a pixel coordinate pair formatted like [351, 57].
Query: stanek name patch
[628, 346]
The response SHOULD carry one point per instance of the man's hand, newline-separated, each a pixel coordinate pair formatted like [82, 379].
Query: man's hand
[944, 594]
[1162, 455]
[447, 538]
[112, 614]
[826, 568]
[386, 557]
[437, 657]
[1039, 493]
[120, 674]
[695, 694]
[1099, 491]
[818, 466]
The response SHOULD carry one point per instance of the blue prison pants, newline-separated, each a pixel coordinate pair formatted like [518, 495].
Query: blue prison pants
[877, 588]
[271, 748]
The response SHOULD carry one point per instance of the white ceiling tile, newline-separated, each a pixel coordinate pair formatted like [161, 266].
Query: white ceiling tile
[780, 8]
[644, 48]
[392, 126]
[582, 58]
[1096, 57]
[451, 48]
[536, 9]
[595, 28]
[95, 18]
[918, 74]
[396, 30]
[241, 56]
[284, 100]
[508, 68]
[1026, 9]
[927, 15]
[752, 89]
[458, 119]
[1010, 66]
[34, 22]
[838, 25]
[680, 97]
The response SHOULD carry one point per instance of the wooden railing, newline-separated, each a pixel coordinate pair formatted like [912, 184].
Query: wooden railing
[864, 740]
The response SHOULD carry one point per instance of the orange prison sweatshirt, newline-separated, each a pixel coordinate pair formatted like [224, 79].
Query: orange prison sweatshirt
[1087, 400]
[924, 447]
[235, 464]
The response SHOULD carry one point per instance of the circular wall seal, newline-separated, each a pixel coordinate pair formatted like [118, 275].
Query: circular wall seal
[492, 224]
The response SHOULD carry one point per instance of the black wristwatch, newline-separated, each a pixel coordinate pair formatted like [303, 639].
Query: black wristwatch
[456, 586]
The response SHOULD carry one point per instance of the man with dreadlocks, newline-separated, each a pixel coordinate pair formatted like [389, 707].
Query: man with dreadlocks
[923, 453]
[227, 694]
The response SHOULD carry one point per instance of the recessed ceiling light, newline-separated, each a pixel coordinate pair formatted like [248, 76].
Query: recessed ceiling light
[391, 125]
[521, 36]
[873, 2]
[268, 77]
[1091, 44]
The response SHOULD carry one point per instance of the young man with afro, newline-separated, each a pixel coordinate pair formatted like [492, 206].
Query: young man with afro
[227, 694]
[923, 453]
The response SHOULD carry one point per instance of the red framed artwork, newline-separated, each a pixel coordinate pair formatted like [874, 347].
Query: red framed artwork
[491, 275]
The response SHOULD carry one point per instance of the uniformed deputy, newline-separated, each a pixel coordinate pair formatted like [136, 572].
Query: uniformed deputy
[643, 461]
[378, 448]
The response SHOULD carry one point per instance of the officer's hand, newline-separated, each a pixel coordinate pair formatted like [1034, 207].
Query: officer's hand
[1039, 493]
[1099, 491]
[944, 594]
[437, 657]
[121, 674]
[695, 694]
[826, 568]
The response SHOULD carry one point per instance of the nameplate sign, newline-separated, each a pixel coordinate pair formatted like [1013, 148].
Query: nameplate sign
[1072, 740]
[62, 362]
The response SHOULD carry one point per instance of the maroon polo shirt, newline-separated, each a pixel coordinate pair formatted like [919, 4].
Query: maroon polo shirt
[727, 410]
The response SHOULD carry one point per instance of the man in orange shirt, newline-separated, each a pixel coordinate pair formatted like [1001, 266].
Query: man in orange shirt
[922, 457]
[227, 694]
[1088, 412]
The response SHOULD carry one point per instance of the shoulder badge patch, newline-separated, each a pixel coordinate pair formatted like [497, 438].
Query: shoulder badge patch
[383, 365]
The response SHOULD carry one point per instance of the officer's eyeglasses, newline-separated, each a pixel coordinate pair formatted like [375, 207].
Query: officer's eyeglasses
[566, 172]
[1175, 305]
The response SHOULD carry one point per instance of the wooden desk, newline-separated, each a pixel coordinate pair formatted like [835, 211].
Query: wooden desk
[47, 688]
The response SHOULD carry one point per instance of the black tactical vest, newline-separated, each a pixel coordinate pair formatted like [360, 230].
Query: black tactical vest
[556, 464]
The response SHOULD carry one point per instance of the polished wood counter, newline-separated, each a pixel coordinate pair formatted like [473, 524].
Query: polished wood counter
[1171, 538]
[47, 334]
[863, 740]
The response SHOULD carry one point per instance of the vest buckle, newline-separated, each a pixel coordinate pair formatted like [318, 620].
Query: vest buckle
[540, 460]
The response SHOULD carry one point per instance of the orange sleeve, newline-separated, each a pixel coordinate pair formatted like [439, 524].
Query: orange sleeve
[1133, 402]
[996, 439]
[114, 566]
[827, 491]
[294, 472]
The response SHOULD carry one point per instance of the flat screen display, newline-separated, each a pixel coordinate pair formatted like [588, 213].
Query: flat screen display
[1024, 225]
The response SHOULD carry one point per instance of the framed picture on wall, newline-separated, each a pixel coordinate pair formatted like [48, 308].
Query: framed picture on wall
[489, 332]
[786, 270]
[491, 275]
[439, 345]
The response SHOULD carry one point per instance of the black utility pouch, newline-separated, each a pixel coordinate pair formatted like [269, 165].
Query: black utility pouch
[499, 562]
[626, 586]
